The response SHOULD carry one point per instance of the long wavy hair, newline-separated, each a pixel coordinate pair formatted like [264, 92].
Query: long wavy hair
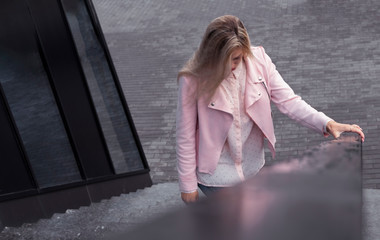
[211, 62]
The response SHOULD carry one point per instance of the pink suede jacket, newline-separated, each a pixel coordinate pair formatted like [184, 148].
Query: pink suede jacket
[202, 127]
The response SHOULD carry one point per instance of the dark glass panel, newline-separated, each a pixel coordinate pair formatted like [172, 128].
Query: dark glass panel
[31, 100]
[114, 123]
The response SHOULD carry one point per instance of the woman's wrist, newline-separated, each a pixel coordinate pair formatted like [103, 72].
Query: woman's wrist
[329, 126]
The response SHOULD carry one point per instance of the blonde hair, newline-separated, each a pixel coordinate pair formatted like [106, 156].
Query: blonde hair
[210, 64]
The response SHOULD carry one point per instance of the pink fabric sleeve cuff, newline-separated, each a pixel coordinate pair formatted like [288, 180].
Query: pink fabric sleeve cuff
[325, 133]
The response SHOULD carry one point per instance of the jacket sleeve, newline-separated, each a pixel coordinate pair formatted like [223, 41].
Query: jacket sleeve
[186, 121]
[291, 104]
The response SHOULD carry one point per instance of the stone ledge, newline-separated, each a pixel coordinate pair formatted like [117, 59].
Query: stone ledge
[317, 196]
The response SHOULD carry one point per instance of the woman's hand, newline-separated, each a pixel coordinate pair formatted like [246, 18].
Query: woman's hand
[190, 197]
[335, 129]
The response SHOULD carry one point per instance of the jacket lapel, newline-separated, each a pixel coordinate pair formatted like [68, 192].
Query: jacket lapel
[254, 80]
[253, 90]
[260, 113]
[219, 101]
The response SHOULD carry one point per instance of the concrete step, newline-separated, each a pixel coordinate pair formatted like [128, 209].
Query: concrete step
[121, 213]
[100, 219]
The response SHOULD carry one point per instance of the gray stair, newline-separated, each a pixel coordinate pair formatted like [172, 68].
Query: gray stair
[119, 214]
[100, 219]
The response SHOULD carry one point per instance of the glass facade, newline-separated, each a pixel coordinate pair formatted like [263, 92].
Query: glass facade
[105, 96]
[64, 121]
[66, 136]
[32, 103]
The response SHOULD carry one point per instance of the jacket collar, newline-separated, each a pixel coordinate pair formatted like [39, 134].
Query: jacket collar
[252, 93]
[254, 75]
[219, 101]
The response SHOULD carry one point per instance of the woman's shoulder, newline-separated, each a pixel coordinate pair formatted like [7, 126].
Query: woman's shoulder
[260, 55]
[188, 81]
[256, 48]
[187, 78]
[258, 52]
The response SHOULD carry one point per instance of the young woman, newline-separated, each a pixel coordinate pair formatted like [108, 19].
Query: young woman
[224, 114]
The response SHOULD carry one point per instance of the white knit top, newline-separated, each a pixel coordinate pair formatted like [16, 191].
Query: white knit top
[243, 152]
